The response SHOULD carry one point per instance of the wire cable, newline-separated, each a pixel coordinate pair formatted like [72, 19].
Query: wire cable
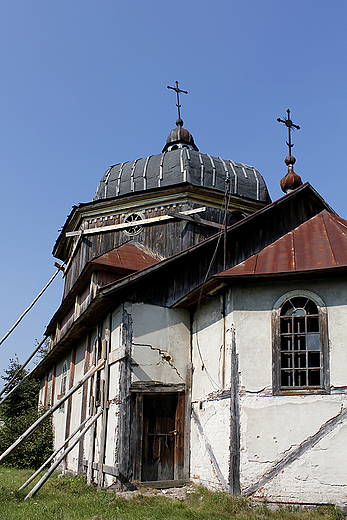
[226, 205]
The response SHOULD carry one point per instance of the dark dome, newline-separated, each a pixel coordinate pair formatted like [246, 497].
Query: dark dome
[182, 166]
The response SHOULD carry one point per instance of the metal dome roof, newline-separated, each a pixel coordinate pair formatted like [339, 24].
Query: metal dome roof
[182, 166]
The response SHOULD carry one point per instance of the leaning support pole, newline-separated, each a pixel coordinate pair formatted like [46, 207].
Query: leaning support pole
[62, 456]
[31, 305]
[37, 423]
[18, 372]
[46, 463]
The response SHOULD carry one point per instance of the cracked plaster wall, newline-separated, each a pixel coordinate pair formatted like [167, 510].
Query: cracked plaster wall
[160, 344]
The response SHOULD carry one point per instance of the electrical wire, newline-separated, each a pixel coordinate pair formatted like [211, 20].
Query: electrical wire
[226, 205]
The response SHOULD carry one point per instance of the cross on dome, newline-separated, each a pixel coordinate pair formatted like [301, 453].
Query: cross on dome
[178, 92]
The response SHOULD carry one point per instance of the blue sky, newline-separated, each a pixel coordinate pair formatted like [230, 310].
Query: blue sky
[83, 86]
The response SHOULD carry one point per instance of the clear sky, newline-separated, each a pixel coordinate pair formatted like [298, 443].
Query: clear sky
[83, 86]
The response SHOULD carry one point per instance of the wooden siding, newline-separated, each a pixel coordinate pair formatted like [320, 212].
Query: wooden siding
[165, 239]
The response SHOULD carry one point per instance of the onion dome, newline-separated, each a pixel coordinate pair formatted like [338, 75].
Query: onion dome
[179, 137]
[291, 180]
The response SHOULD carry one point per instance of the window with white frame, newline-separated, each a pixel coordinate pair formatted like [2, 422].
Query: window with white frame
[300, 344]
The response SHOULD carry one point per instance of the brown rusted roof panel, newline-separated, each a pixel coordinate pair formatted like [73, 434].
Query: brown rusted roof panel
[319, 243]
[312, 246]
[337, 232]
[130, 256]
[277, 256]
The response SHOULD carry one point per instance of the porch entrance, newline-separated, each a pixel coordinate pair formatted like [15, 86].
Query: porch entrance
[158, 425]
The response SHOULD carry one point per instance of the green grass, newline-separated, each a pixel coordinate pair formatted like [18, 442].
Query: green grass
[70, 498]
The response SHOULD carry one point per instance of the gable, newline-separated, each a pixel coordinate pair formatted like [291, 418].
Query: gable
[319, 243]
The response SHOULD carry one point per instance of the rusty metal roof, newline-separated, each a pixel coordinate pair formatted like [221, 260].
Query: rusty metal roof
[319, 243]
[129, 257]
[124, 260]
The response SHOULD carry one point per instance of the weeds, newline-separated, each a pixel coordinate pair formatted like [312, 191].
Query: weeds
[70, 498]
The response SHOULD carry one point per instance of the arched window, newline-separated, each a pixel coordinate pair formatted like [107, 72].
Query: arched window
[301, 344]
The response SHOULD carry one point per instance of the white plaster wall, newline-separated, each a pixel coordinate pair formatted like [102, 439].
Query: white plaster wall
[113, 411]
[161, 343]
[76, 404]
[214, 416]
[214, 419]
[207, 354]
[319, 476]
[270, 425]
[59, 416]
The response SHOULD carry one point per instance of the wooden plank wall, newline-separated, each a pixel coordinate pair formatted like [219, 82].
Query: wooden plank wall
[165, 239]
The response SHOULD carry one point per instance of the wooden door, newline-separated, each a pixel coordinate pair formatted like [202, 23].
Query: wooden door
[162, 437]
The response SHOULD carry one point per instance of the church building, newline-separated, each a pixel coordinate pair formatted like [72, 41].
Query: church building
[216, 321]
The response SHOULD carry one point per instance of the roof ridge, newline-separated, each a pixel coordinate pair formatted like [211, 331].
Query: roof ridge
[323, 216]
[341, 222]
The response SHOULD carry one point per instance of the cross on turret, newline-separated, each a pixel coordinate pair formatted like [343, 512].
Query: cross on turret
[178, 91]
[290, 125]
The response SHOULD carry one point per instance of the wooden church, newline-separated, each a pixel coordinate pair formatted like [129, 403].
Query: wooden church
[209, 328]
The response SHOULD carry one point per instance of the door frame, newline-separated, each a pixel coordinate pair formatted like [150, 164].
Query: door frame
[137, 391]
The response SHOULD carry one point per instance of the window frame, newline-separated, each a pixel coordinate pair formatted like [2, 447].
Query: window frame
[324, 388]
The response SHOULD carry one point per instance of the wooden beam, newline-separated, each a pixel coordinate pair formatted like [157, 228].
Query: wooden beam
[62, 456]
[196, 219]
[51, 457]
[84, 402]
[69, 403]
[234, 471]
[124, 225]
[104, 404]
[109, 470]
[124, 454]
[187, 420]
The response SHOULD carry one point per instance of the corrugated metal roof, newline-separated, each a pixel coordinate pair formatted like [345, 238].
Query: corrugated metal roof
[319, 243]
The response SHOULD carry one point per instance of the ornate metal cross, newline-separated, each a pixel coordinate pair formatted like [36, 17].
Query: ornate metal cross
[290, 125]
[178, 91]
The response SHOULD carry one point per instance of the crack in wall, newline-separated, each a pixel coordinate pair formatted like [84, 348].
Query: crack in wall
[267, 390]
[215, 466]
[165, 357]
[317, 479]
[218, 395]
